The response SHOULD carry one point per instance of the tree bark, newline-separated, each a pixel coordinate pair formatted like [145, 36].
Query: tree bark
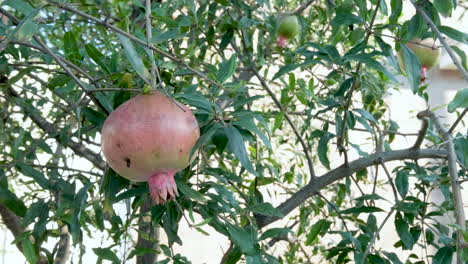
[145, 227]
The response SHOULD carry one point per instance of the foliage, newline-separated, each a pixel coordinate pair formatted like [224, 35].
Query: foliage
[269, 117]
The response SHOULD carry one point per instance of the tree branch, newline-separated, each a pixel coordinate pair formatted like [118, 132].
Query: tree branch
[452, 169]
[61, 63]
[460, 117]
[344, 171]
[421, 134]
[49, 129]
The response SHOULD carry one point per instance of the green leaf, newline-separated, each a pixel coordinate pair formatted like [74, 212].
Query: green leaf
[70, 47]
[244, 239]
[462, 56]
[78, 205]
[285, 69]
[371, 62]
[27, 28]
[275, 232]
[227, 69]
[266, 209]
[454, 34]
[397, 7]
[459, 101]
[190, 193]
[362, 209]
[249, 124]
[134, 58]
[402, 229]
[97, 57]
[412, 66]
[206, 135]
[10, 200]
[346, 18]
[444, 7]
[392, 257]
[321, 226]
[323, 149]
[138, 191]
[444, 255]
[107, 254]
[237, 146]
[401, 182]
[20, 5]
[29, 252]
[461, 149]
[95, 117]
[36, 175]
[373, 197]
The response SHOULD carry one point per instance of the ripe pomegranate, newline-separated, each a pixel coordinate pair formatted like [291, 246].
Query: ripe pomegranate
[149, 138]
[287, 29]
[427, 52]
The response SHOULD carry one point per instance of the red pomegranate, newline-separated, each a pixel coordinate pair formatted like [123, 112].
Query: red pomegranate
[149, 138]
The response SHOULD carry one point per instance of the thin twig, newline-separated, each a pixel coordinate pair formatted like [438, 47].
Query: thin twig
[390, 180]
[460, 117]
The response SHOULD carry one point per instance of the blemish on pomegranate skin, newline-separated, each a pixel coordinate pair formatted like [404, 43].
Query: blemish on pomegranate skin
[119, 145]
[128, 161]
[180, 150]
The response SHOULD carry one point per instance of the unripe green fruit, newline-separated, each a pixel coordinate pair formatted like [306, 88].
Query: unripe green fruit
[426, 51]
[288, 27]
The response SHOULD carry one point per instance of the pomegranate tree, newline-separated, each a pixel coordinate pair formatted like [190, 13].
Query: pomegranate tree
[427, 52]
[149, 138]
[288, 28]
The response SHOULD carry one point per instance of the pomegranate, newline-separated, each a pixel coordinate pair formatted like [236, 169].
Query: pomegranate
[427, 52]
[287, 29]
[149, 138]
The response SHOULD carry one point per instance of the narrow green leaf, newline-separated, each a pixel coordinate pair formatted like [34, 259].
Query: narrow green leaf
[190, 193]
[323, 149]
[29, 252]
[134, 58]
[402, 184]
[462, 56]
[107, 254]
[402, 229]
[412, 66]
[227, 69]
[275, 232]
[371, 62]
[36, 175]
[245, 240]
[266, 209]
[237, 146]
[444, 255]
[444, 7]
[454, 34]
[20, 5]
[362, 209]
[321, 226]
[285, 69]
[97, 57]
[70, 47]
[459, 101]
